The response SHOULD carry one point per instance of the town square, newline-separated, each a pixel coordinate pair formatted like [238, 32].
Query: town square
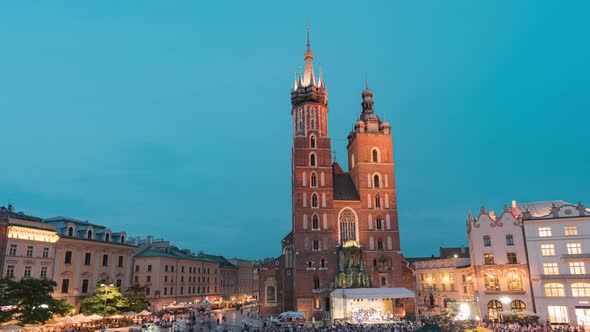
[294, 166]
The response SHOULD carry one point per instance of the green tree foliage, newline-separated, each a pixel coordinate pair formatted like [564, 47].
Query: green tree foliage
[105, 296]
[137, 298]
[33, 301]
[6, 302]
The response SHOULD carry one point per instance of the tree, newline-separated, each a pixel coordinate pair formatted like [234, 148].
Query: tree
[33, 301]
[7, 307]
[106, 299]
[137, 298]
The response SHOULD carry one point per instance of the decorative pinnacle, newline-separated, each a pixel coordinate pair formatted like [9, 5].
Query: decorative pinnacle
[308, 44]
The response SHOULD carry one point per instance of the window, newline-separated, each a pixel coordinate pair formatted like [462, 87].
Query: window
[148, 279]
[118, 283]
[181, 290]
[550, 269]
[487, 241]
[107, 237]
[315, 222]
[165, 278]
[511, 257]
[172, 268]
[120, 263]
[10, 271]
[87, 258]
[316, 282]
[577, 268]
[68, 258]
[165, 268]
[488, 259]
[65, 285]
[312, 142]
[491, 282]
[571, 230]
[29, 251]
[165, 291]
[12, 250]
[379, 223]
[376, 181]
[89, 235]
[309, 264]
[45, 252]
[544, 231]
[314, 180]
[314, 201]
[514, 281]
[312, 118]
[557, 314]
[43, 271]
[105, 260]
[574, 248]
[27, 272]
[316, 244]
[377, 201]
[312, 162]
[494, 308]
[375, 154]
[347, 220]
[322, 263]
[380, 245]
[547, 250]
[580, 289]
[123, 239]
[517, 306]
[509, 240]
[554, 289]
[149, 268]
[85, 286]
[136, 268]
[70, 231]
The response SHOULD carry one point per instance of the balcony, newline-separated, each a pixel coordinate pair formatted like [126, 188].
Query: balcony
[563, 276]
[575, 257]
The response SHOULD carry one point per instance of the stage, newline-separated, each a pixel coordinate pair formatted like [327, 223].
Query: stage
[367, 305]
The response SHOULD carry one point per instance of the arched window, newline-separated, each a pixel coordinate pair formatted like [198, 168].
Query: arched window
[581, 289]
[377, 201]
[314, 179]
[312, 161]
[312, 142]
[89, 235]
[491, 282]
[314, 200]
[322, 263]
[123, 239]
[517, 306]
[375, 262]
[553, 289]
[379, 223]
[315, 222]
[376, 181]
[312, 118]
[70, 231]
[270, 294]
[316, 282]
[107, 237]
[347, 220]
[299, 120]
[375, 156]
[309, 264]
[494, 307]
[380, 245]
[514, 281]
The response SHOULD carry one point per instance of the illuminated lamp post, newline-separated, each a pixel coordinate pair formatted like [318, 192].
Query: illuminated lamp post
[106, 290]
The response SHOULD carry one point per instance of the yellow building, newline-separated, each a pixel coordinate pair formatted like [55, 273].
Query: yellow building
[87, 255]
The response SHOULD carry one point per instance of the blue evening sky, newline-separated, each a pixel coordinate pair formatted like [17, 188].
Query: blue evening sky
[172, 118]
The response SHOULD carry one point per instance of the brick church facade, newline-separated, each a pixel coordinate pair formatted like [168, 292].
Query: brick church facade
[344, 224]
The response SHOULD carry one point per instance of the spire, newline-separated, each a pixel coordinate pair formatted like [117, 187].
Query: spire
[308, 74]
[308, 45]
[321, 79]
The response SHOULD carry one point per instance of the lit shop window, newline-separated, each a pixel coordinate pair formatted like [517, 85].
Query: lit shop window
[557, 314]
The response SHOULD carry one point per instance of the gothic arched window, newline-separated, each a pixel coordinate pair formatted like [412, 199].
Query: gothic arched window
[347, 225]
[379, 223]
[315, 222]
[376, 182]
[375, 156]
[312, 142]
[377, 201]
[312, 118]
[316, 282]
[299, 120]
[314, 180]
[312, 161]
[314, 201]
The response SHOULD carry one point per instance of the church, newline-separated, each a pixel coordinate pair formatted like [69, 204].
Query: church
[342, 255]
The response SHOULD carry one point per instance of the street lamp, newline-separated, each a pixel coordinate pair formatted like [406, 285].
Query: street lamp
[106, 290]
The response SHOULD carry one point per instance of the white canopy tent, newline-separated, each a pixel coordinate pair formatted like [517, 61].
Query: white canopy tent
[346, 300]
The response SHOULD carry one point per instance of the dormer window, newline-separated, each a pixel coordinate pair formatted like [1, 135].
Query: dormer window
[70, 231]
[89, 235]
[123, 239]
[107, 237]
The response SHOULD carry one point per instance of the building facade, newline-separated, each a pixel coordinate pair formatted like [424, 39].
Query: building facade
[558, 246]
[174, 276]
[344, 224]
[442, 282]
[499, 262]
[87, 255]
[244, 278]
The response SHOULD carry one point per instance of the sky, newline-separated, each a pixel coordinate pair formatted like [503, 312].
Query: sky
[172, 118]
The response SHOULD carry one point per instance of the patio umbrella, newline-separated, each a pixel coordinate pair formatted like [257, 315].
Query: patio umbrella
[115, 317]
[67, 320]
[478, 329]
[94, 317]
[11, 327]
[145, 313]
[130, 313]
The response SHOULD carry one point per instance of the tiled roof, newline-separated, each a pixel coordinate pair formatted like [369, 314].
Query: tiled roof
[344, 189]
[72, 220]
[539, 209]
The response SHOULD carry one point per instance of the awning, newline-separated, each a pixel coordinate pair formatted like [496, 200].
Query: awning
[372, 293]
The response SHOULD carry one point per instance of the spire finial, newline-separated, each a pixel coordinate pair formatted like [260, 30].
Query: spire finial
[366, 81]
[308, 44]
[334, 155]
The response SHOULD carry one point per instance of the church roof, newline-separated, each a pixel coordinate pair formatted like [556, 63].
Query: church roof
[344, 189]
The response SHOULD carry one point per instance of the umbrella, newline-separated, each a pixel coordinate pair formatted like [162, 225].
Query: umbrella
[11, 327]
[94, 317]
[130, 313]
[145, 313]
[116, 316]
[80, 318]
[67, 320]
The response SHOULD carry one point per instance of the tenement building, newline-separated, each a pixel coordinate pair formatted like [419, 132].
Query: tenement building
[558, 246]
[499, 263]
[342, 256]
[87, 255]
